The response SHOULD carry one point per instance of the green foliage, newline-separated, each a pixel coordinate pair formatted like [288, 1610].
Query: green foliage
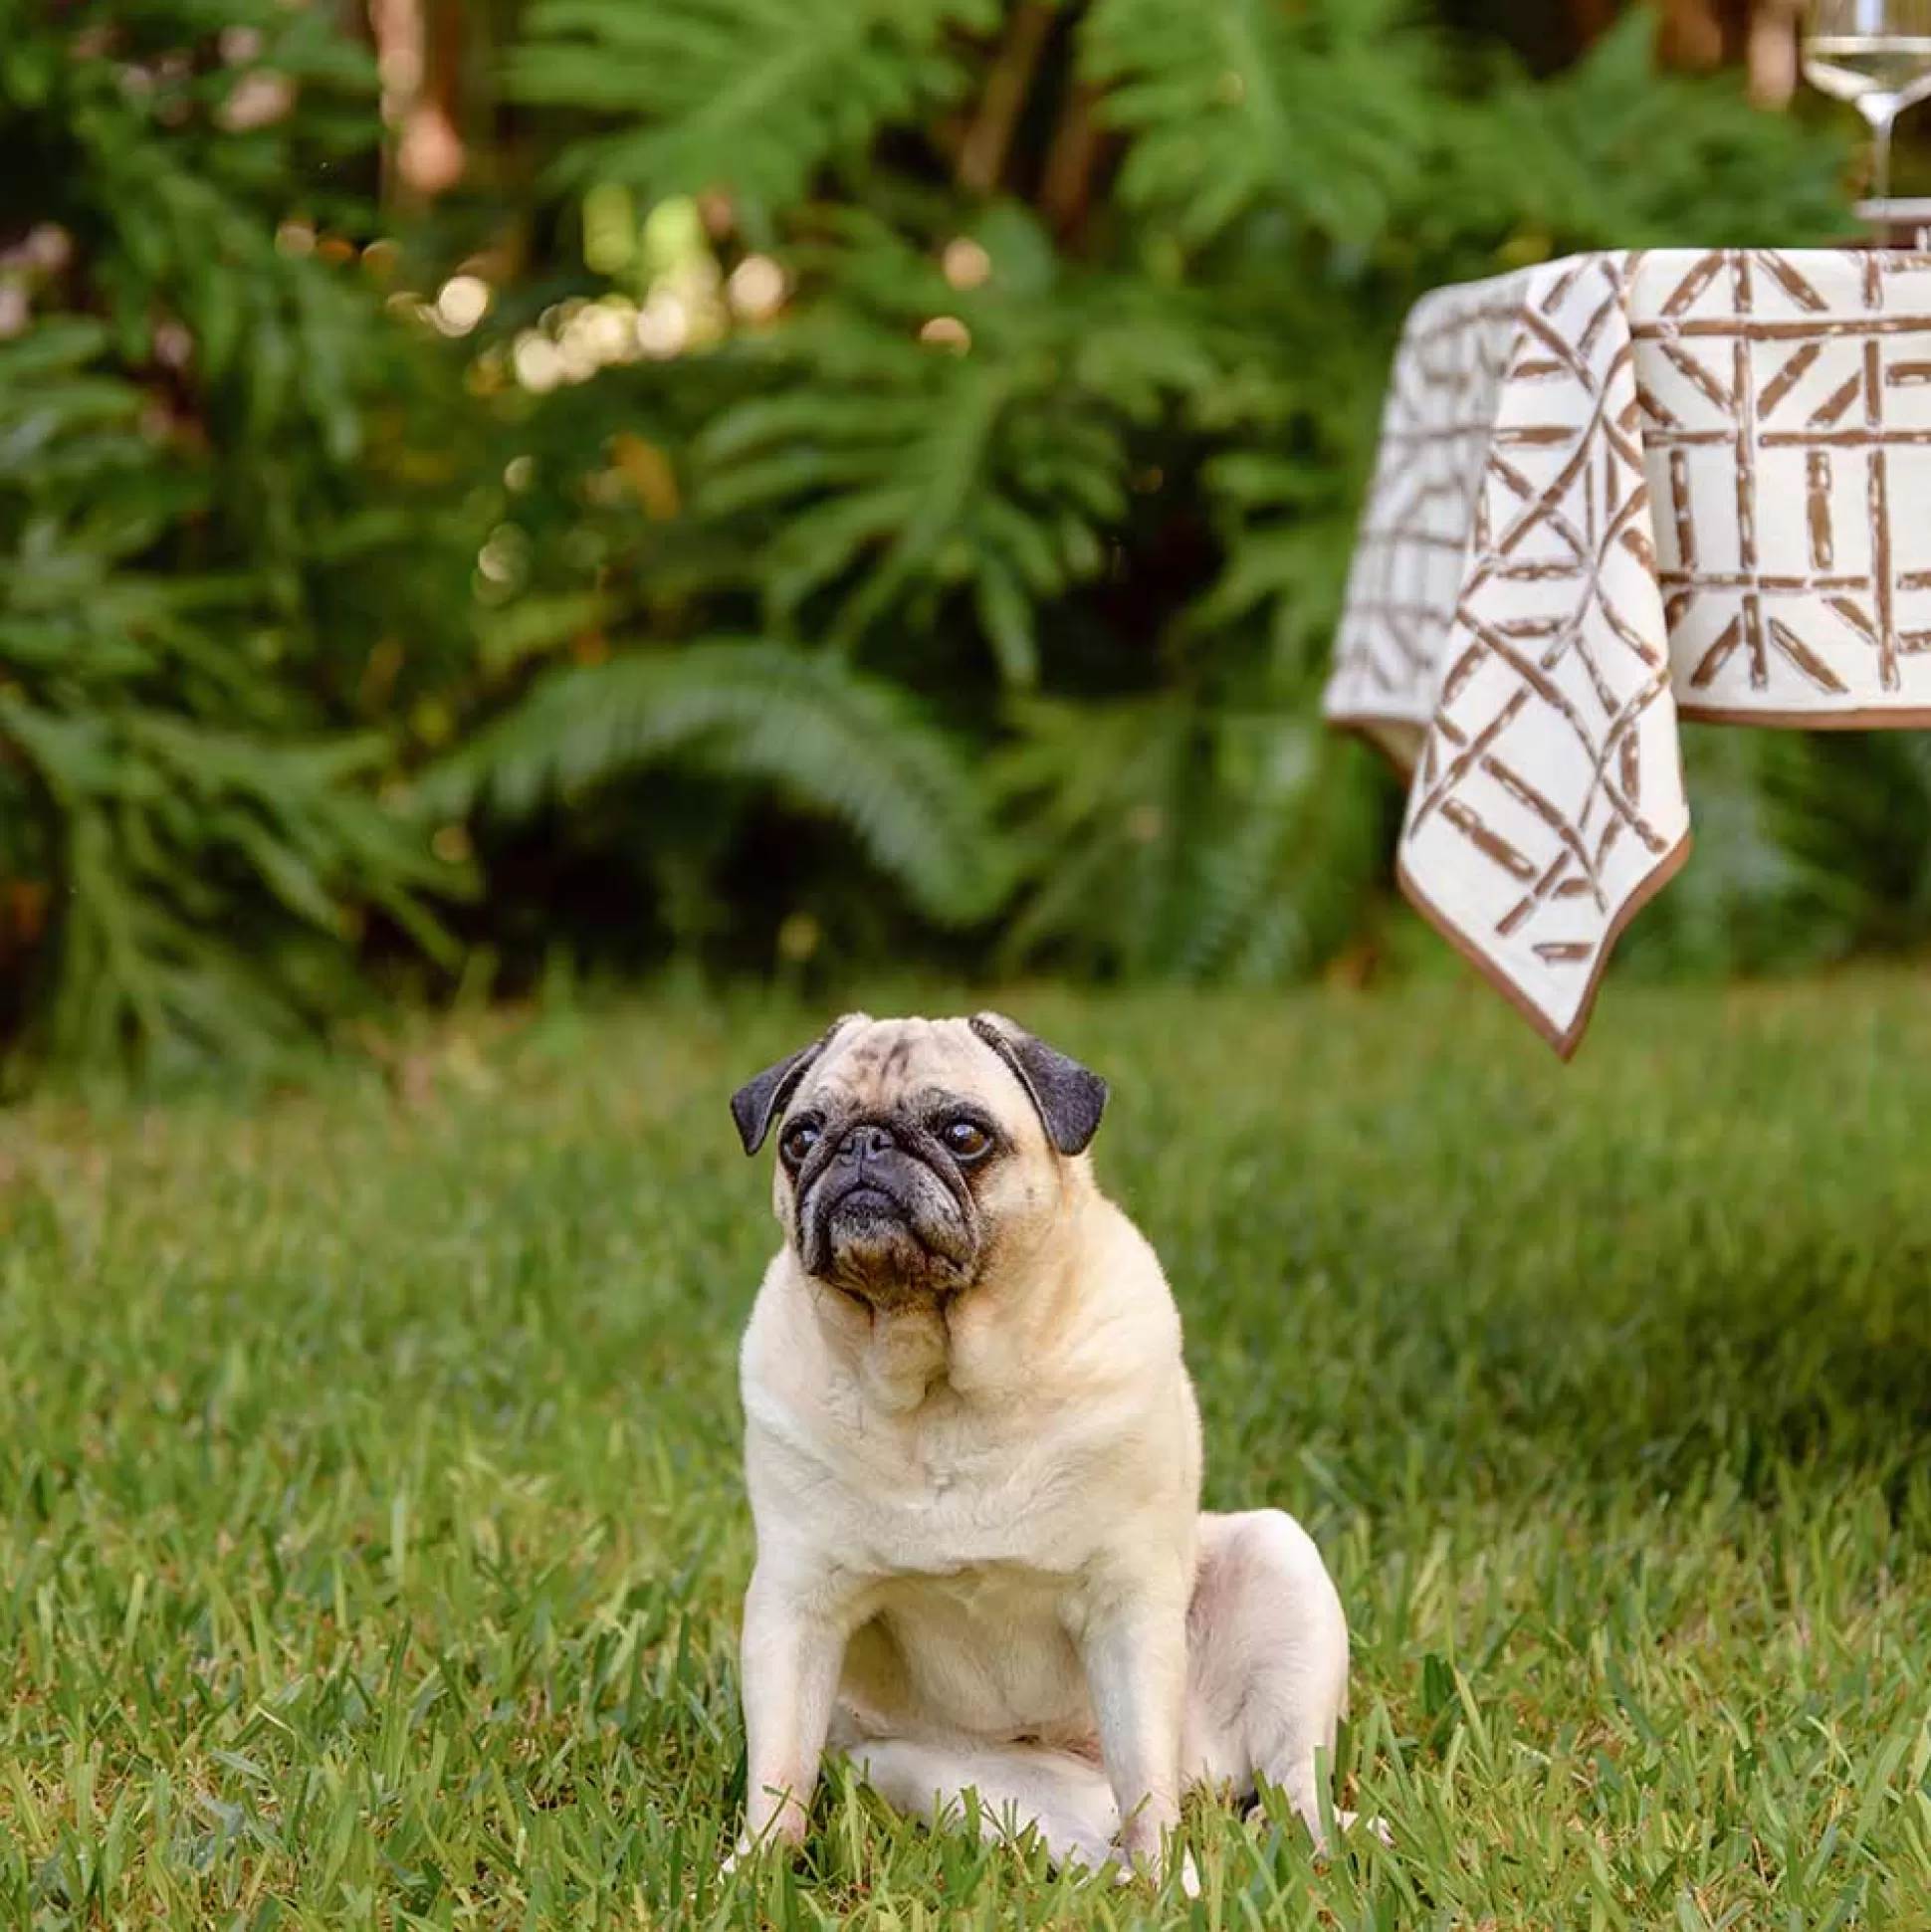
[1852, 815]
[194, 507]
[1810, 849]
[1237, 107]
[374, 1531]
[891, 477]
[952, 454]
[840, 742]
[1172, 837]
[747, 96]
[1065, 417]
[1615, 153]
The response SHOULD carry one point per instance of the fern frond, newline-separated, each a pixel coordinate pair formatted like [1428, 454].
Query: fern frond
[998, 474]
[828, 737]
[153, 809]
[1183, 838]
[1233, 105]
[1292, 850]
[752, 96]
[1099, 795]
[1610, 153]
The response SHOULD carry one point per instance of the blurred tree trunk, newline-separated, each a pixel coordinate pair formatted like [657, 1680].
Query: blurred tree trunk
[1592, 17]
[419, 49]
[1773, 51]
[1694, 33]
[1762, 34]
[1701, 33]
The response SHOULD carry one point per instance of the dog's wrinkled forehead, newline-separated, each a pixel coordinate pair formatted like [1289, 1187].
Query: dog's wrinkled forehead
[882, 1064]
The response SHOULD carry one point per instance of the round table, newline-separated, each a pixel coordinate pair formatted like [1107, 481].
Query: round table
[1612, 493]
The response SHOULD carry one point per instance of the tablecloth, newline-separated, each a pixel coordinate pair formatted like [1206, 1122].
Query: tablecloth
[1613, 493]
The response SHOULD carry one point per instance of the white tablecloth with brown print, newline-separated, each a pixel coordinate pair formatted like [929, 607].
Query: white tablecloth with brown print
[1615, 492]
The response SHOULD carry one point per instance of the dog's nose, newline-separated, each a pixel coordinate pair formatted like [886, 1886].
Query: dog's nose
[865, 1144]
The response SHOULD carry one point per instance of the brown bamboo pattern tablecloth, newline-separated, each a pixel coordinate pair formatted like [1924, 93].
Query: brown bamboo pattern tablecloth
[1612, 493]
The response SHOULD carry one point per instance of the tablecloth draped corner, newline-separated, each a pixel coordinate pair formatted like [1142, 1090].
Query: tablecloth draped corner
[1613, 491]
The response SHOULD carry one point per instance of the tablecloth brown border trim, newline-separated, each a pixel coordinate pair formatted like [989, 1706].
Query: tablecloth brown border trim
[1865, 718]
[1564, 1040]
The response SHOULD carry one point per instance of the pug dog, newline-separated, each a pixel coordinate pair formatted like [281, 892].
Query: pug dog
[974, 1459]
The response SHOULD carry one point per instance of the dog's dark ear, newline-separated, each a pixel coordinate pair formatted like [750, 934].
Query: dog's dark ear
[1070, 1098]
[757, 1103]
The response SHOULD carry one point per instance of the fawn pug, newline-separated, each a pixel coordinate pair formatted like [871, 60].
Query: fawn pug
[974, 1459]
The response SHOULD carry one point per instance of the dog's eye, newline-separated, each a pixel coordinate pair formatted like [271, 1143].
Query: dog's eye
[967, 1140]
[799, 1138]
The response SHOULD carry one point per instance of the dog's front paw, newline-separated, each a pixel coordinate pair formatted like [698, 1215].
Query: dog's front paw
[1154, 1856]
[748, 1853]
[1348, 1822]
[1078, 1851]
[773, 1830]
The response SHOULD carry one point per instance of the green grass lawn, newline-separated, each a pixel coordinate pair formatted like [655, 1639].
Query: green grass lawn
[371, 1531]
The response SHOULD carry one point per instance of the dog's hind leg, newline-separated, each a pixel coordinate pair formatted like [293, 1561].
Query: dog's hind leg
[1066, 1799]
[1268, 1661]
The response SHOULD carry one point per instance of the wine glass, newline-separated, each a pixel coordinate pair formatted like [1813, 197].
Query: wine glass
[1875, 53]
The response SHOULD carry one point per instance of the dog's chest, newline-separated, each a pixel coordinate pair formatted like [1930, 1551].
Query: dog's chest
[982, 1649]
[976, 1547]
[954, 1500]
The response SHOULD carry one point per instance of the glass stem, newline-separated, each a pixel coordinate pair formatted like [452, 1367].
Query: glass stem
[1881, 113]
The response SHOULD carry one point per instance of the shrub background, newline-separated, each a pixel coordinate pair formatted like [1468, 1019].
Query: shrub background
[831, 484]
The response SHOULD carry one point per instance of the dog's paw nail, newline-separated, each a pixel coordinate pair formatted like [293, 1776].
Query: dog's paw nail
[1354, 1822]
